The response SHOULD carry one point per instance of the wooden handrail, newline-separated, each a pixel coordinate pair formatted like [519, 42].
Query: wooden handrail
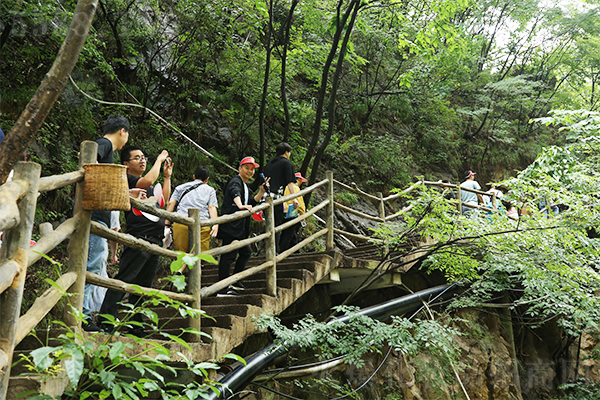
[403, 192]
[301, 244]
[304, 191]
[43, 305]
[452, 185]
[220, 285]
[129, 240]
[360, 214]
[10, 193]
[49, 242]
[8, 271]
[356, 190]
[399, 213]
[302, 217]
[121, 286]
[236, 244]
[357, 236]
[48, 183]
[3, 360]
[171, 216]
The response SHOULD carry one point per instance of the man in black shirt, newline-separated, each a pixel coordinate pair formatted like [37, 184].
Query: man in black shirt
[116, 133]
[237, 196]
[137, 266]
[281, 172]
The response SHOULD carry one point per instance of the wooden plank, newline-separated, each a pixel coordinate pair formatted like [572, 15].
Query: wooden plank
[77, 249]
[48, 183]
[360, 214]
[13, 247]
[48, 242]
[10, 193]
[121, 286]
[356, 190]
[270, 250]
[302, 217]
[43, 304]
[171, 216]
[8, 271]
[129, 240]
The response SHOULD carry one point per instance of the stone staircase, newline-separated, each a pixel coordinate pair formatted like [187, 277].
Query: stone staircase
[231, 323]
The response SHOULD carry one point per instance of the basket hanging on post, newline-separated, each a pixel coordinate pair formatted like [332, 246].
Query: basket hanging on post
[105, 187]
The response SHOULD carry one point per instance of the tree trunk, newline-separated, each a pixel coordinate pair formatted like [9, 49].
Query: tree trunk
[286, 42]
[34, 114]
[353, 7]
[263, 100]
[321, 96]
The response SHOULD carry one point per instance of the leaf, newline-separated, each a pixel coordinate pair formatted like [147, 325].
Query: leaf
[74, 365]
[115, 350]
[42, 357]
[235, 357]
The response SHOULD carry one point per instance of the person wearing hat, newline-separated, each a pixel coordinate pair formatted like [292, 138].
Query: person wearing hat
[237, 197]
[290, 235]
[281, 172]
[470, 197]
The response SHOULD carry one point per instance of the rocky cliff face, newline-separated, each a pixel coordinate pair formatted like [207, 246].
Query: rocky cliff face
[486, 370]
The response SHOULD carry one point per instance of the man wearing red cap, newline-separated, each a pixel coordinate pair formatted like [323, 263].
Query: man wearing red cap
[290, 235]
[236, 197]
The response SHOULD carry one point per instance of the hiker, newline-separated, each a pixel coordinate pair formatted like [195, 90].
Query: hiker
[289, 237]
[138, 266]
[195, 194]
[237, 196]
[116, 133]
[281, 172]
[470, 197]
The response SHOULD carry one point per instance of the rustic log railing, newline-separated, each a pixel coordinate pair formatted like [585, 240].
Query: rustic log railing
[17, 208]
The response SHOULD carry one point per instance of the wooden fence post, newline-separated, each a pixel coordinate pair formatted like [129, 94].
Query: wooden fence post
[329, 246]
[80, 239]
[494, 202]
[195, 283]
[381, 206]
[16, 241]
[271, 251]
[459, 197]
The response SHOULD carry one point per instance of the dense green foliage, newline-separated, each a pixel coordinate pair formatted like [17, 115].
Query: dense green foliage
[427, 86]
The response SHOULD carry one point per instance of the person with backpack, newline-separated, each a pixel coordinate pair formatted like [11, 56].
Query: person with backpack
[195, 194]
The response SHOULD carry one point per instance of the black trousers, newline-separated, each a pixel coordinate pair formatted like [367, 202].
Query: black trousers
[243, 255]
[137, 267]
[289, 237]
[279, 219]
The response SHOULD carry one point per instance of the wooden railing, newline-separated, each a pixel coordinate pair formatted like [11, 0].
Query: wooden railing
[17, 209]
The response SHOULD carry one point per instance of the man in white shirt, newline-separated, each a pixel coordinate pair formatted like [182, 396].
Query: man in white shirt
[194, 194]
[470, 197]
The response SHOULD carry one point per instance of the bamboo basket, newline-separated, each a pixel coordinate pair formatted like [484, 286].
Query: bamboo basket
[105, 187]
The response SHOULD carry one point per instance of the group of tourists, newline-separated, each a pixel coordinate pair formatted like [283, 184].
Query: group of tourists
[140, 267]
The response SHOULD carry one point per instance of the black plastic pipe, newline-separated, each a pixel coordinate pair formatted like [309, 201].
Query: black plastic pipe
[243, 374]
